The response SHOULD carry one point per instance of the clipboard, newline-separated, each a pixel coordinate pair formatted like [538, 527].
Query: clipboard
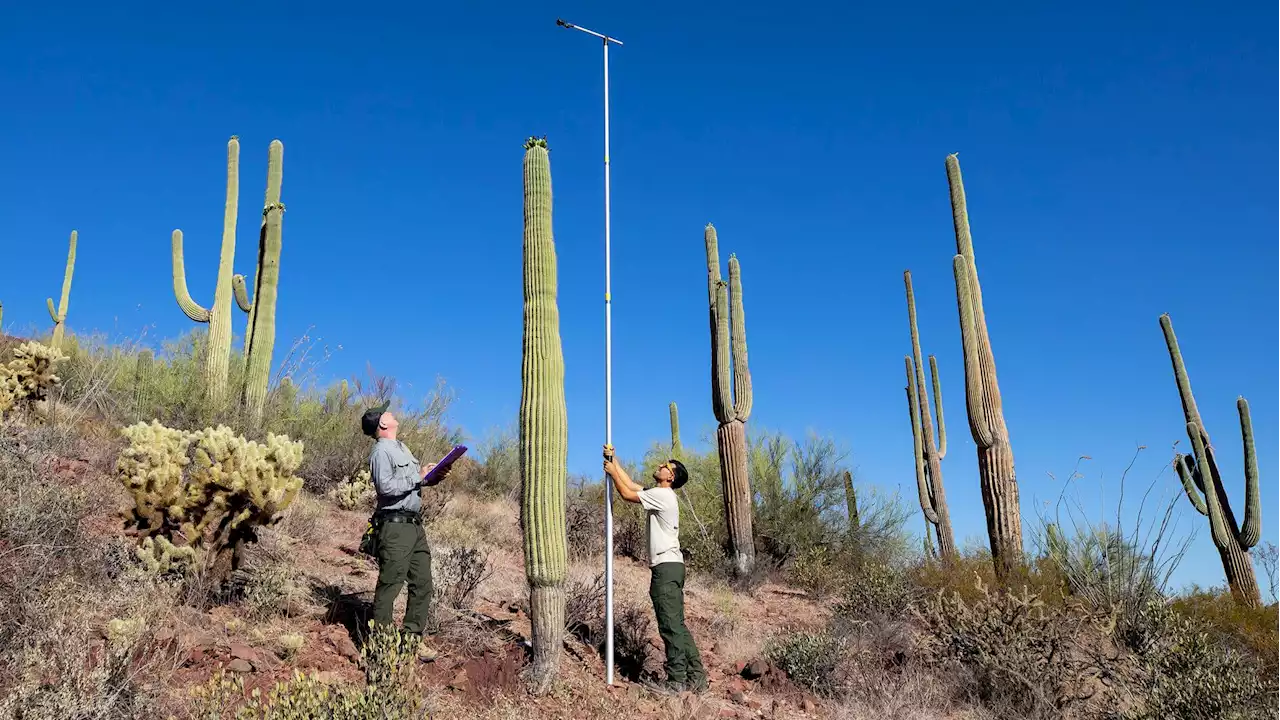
[434, 476]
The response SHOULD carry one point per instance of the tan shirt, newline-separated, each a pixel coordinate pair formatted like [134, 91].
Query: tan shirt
[663, 510]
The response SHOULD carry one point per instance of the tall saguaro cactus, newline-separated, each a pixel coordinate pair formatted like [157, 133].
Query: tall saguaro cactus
[851, 504]
[59, 314]
[731, 400]
[543, 424]
[996, 475]
[677, 448]
[1200, 476]
[218, 350]
[928, 451]
[260, 332]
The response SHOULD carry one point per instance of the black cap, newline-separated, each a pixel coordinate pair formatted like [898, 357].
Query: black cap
[369, 421]
[679, 474]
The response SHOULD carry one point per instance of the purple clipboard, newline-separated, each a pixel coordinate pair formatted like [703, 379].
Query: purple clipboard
[434, 476]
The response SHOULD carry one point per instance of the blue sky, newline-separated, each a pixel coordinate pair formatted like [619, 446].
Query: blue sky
[1119, 161]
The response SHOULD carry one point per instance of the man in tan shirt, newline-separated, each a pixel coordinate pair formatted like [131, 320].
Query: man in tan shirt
[666, 563]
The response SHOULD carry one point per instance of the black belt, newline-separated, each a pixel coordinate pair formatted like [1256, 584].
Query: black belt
[399, 516]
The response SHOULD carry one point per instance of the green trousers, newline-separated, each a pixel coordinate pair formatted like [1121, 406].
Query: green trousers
[666, 589]
[403, 555]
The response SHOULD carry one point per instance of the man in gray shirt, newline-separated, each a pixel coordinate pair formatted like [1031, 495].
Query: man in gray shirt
[402, 550]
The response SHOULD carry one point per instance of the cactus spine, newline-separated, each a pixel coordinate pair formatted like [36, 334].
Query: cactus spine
[731, 400]
[543, 424]
[996, 475]
[1200, 476]
[929, 451]
[677, 448]
[218, 351]
[260, 332]
[59, 315]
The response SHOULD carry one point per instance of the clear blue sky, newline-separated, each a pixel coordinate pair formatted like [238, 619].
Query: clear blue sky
[1119, 159]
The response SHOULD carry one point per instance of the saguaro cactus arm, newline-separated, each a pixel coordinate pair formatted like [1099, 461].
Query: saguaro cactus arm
[189, 307]
[1190, 483]
[917, 438]
[969, 334]
[241, 293]
[1222, 535]
[53, 312]
[1251, 530]
[937, 405]
[742, 396]
[721, 361]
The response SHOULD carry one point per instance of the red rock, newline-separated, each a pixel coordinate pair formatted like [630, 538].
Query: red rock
[808, 705]
[728, 713]
[195, 656]
[240, 651]
[239, 666]
[738, 696]
[459, 681]
[346, 647]
[754, 704]
[739, 666]
[755, 669]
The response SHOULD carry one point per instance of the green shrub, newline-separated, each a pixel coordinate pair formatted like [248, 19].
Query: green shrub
[811, 659]
[874, 591]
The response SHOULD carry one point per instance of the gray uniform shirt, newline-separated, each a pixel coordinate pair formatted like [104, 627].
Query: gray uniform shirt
[396, 476]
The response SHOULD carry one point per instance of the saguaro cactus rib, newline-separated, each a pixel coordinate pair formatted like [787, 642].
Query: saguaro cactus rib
[543, 425]
[218, 351]
[1203, 484]
[260, 336]
[997, 477]
[59, 314]
[731, 400]
[929, 451]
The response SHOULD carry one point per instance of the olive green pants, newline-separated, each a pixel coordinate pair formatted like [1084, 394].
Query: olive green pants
[666, 589]
[403, 555]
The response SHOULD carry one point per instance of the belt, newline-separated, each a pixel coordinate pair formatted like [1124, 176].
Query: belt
[399, 516]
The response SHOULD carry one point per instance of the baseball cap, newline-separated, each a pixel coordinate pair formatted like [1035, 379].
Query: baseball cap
[369, 421]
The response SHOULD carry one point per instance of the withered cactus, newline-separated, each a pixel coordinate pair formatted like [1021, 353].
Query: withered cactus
[996, 475]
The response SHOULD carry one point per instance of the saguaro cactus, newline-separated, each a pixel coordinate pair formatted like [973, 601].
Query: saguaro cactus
[676, 447]
[996, 476]
[851, 503]
[218, 351]
[59, 314]
[731, 400]
[543, 424]
[260, 332]
[1200, 476]
[928, 451]
[142, 383]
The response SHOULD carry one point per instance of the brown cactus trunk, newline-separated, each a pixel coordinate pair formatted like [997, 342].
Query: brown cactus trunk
[546, 610]
[1000, 499]
[731, 440]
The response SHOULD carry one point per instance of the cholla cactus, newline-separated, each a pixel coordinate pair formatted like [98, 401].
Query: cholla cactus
[159, 556]
[353, 493]
[29, 375]
[207, 489]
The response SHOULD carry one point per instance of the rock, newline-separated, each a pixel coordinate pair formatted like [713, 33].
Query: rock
[728, 713]
[739, 666]
[240, 651]
[808, 705]
[328, 677]
[459, 681]
[195, 656]
[346, 647]
[754, 704]
[239, 666]
[164, 635]
[738, 696]
[755, 669]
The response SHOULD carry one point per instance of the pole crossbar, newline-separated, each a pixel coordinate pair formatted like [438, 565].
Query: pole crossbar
[608, 362]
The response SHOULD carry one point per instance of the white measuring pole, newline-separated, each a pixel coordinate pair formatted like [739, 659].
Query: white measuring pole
[608, 369]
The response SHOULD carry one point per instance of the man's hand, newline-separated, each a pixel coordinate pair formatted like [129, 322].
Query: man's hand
[610, 465]
[427, 469]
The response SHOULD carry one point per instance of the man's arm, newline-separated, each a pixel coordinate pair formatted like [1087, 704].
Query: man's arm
[621, 481]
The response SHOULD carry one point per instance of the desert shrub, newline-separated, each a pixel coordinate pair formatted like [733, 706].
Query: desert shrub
[875, 591]
[810, 659]
[1019, 656]
[270, 583]
[584, 609]
[632, 656]
[456, 579]
[303, 520]
[584, 517]
[389, 693]
[288, 645]
[209, 489]
[1191, 672]
[497, 473]
[1250, 630]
